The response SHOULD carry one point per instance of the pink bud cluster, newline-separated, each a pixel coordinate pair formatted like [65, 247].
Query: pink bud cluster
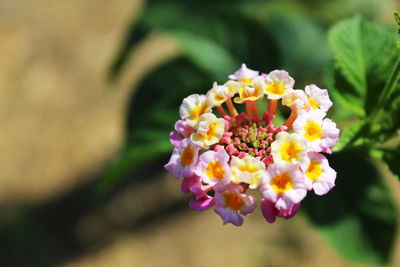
[222, 160]
[250, 136]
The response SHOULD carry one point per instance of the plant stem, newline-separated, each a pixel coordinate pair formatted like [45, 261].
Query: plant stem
[249, 110]
[254, 108]
[288, 123]
[221, 111]
[231, 107]
[272, 106]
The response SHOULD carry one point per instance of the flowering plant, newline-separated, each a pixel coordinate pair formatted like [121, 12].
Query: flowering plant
[222, 159]
[363, 82]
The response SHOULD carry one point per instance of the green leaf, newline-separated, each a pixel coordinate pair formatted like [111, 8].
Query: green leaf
[348, 102]
[346, 41]
[365, 54]
[348, 136]
[350, 215]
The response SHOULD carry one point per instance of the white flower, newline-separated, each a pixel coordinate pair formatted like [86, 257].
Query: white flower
[278, 83]
[193, 107]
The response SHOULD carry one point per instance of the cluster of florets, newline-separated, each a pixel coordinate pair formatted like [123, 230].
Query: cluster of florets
[222, 159]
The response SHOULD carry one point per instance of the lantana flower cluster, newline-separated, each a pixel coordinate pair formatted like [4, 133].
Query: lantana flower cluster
[221, 160]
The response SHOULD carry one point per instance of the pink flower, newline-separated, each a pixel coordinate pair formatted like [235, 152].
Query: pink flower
[175, 138]
[193, 184]
[213, 167]
[182, 130]
[230, 202]
[331, 135]
[190, 183]
[270, 212]
[183, 159]
[202, 202]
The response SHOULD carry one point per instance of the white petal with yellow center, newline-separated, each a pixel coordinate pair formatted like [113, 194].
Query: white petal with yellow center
[251, 92]
[288, 148]
[278, 83]
[218, 94]
[233, 87]
[318, 98]
[309, 125]
[296, 100]
[320, 176]
[193, 107]
[247, 170]
[284, 184]
[209, 130]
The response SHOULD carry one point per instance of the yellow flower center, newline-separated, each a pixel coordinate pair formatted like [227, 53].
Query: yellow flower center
[211, 130]
[314, 170]
[276, 88]
[250, 92]
[313, 103]
[281, 183]
[246, 80]
[290, 150]
[313, 131]
[187, 156]
[199, 110]
[290, 101]
[248, 168]
[233, 201]
[231, 88]
[214, 169]
[219, 98]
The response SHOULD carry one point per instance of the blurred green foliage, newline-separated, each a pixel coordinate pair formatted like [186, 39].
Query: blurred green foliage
[365, 55]
[358, 217]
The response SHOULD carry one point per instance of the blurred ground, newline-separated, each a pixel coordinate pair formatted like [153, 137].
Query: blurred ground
[60, 119]
[61, 122]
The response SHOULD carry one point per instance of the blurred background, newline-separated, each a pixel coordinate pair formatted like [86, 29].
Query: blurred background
[82, 184]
